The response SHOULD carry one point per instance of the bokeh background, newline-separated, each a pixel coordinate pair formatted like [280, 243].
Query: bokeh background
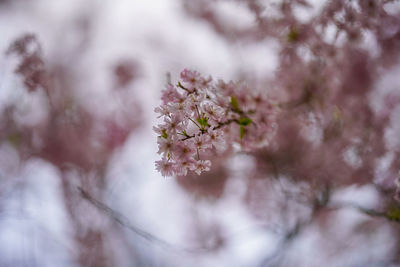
[78, 186]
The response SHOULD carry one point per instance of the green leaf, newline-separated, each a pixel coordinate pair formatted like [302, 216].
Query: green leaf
[203, 121]
[245, 121]
[242, 132]
[234, 103]
[185, 133]
[164, 134]
[293, 35]
[394, 214]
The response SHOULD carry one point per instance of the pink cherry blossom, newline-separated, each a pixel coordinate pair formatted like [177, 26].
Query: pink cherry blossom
[209, 119]
[165, 167]
[201, 166]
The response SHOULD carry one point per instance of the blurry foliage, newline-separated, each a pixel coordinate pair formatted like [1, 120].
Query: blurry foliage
[329, 137]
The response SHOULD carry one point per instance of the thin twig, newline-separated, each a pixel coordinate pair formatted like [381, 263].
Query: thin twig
[220, 124]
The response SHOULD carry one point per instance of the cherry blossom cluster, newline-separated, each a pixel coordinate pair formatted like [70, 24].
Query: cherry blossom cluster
[202, 119]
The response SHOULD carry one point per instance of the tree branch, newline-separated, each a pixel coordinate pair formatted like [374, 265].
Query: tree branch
[124, 222]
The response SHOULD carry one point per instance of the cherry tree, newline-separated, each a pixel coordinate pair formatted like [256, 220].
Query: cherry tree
[316, 91]
[293, 145]
[323, 121]
[59, 127]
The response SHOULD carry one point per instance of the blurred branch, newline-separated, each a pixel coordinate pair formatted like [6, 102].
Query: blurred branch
[289, 236]
[322, 202]
[286, 240]
[124, 222]
[392, 214]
